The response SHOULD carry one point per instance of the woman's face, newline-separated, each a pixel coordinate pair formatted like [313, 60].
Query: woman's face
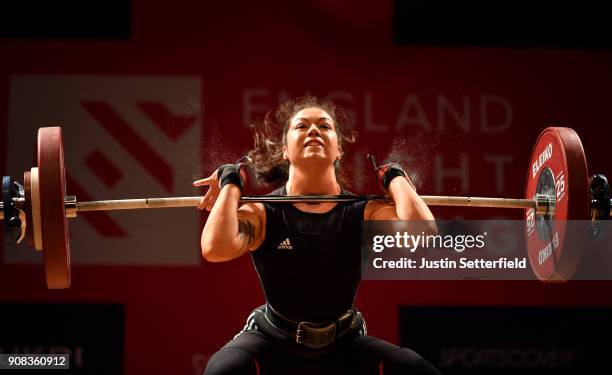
[312, 137]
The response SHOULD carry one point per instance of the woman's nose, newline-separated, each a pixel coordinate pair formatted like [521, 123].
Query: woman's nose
[314, 129]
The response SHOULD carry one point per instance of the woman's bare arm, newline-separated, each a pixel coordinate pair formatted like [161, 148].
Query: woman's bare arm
[229, 231]
[407, 205]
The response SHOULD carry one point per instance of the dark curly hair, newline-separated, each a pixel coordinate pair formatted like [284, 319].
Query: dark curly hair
[270, 136]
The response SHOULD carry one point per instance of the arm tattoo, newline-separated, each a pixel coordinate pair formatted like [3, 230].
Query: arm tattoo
[246, 231]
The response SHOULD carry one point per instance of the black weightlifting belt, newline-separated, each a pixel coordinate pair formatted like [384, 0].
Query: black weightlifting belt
[312, 335]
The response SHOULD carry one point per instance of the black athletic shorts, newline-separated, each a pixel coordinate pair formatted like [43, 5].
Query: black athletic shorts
[260, 348]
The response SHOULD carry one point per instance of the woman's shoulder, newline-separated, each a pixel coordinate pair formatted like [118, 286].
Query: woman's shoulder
[355, 208]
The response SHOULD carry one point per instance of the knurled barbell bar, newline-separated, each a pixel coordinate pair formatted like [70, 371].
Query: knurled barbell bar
[542, 204]
[557, 190]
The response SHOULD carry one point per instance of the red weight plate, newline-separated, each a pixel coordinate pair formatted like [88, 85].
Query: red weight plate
[52, 181]
[558, 166]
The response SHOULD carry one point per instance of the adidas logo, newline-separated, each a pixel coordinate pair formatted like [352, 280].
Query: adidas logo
[286, 244]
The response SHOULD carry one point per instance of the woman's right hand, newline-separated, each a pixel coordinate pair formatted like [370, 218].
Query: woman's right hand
[208, 201]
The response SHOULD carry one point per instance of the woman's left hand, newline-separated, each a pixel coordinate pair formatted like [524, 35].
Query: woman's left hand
[208, 201]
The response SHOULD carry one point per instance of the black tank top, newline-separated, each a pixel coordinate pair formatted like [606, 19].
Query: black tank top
[309, 264]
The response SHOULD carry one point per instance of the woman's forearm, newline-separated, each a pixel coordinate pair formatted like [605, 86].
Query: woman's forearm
[219, 237]
[408, 204]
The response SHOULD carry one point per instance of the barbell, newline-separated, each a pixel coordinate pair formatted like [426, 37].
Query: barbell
[557, 190]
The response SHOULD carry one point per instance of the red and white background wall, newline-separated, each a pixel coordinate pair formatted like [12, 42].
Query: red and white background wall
[148, 113]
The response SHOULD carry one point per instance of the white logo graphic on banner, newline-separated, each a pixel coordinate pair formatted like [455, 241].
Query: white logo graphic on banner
[124, 137]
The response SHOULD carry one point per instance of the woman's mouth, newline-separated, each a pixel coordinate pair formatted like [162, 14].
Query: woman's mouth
[313, 143]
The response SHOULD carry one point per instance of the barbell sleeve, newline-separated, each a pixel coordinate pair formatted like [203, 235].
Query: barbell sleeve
[131, 204]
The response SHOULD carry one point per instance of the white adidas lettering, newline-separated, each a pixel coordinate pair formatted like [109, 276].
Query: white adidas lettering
[286, 244]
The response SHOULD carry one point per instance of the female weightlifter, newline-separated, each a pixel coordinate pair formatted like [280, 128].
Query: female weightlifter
[307, 256]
